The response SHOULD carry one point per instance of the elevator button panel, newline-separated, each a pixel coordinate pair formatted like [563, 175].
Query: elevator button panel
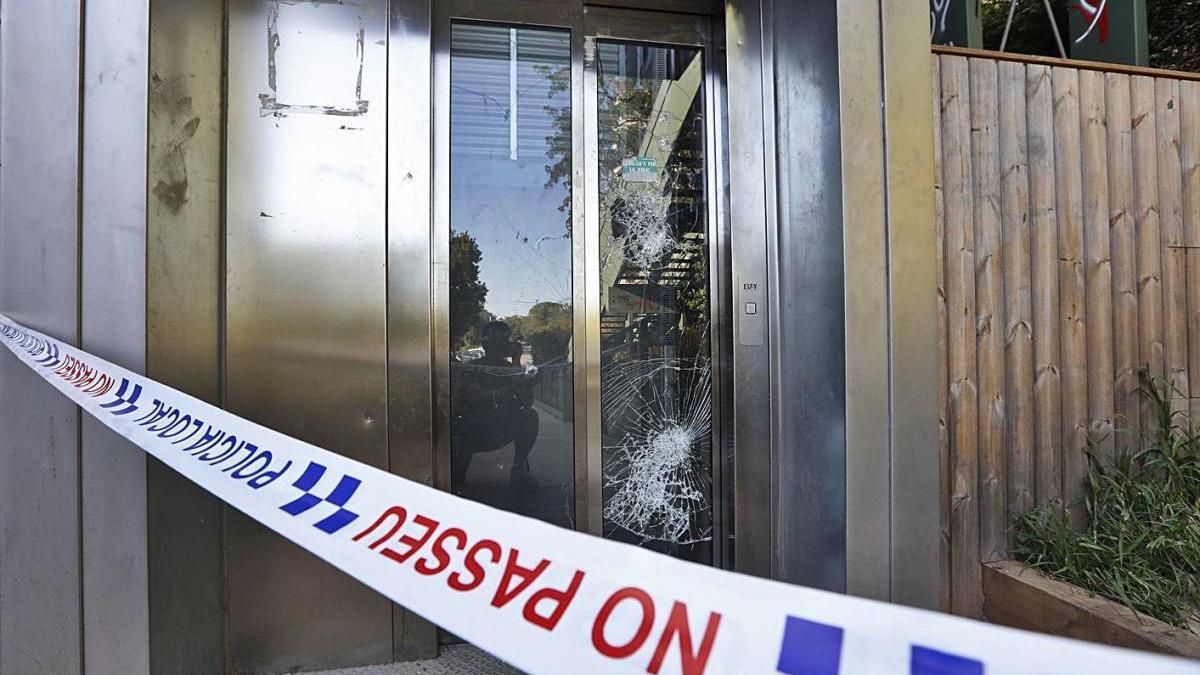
[750, 324]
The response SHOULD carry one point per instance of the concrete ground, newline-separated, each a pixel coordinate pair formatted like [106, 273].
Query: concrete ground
[453, 660]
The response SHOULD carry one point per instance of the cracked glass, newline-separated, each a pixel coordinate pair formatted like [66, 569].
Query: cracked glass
[655, 374]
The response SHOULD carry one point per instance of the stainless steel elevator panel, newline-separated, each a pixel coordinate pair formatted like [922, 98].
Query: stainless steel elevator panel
[306, 302]
[809, 298]
[40, 608]
[184, 147]
[787, 249]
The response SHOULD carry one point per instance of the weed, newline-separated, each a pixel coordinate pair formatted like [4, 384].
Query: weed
[1140, 544]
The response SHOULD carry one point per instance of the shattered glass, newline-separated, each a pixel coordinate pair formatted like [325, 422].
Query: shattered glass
[655, 373]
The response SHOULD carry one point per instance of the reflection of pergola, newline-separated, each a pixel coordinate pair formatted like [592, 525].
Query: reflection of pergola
[630, 294]
[672, 102]
[637, 292]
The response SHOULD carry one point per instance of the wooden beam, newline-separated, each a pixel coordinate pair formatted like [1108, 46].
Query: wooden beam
[1069, 63]
[1019, 596]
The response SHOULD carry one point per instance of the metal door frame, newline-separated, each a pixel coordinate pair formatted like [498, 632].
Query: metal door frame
[533, 13]
[682, 30]
[586, 24]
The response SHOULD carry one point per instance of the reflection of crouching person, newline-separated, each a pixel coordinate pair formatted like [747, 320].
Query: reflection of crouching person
[492, 406]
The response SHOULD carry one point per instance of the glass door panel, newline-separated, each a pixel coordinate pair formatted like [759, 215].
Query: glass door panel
[510, 284]
[655, 350]
[574, 278]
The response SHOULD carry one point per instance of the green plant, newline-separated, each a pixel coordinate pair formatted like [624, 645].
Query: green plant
[1140, 544]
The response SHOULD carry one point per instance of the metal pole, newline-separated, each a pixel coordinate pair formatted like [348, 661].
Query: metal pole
[1062, 51]
[1012, 11]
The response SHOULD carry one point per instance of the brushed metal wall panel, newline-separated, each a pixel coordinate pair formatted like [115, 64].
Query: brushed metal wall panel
[40, 612]
[410, 396]
[810, 303]
[183, 271]
[750, 186]
[868, 423]
[912, 246]
[113, 326]
[306, 302]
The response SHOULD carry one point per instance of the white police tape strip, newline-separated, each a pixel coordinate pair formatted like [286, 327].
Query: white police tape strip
[546, 599]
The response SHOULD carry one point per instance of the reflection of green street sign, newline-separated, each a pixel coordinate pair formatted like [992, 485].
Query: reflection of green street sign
[647, 299]
[640, 169]
[1109, 30]
[956, 22]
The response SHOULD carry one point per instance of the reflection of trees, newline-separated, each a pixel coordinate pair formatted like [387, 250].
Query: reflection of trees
[558, 144]
[547, 329]
[467, 292]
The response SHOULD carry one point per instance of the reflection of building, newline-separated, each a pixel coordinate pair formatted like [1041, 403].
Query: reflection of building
[684, 214]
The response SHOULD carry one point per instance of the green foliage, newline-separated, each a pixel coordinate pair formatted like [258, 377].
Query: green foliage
[558, 142]
[1031, 32]
[467, 292]
[547, 328]
[1140, 545]
[1174, 27]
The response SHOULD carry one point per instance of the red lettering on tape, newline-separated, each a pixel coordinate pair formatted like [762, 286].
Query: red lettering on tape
[413, 545]
[559, 599]
[504, 594]
[601, 643]
[398, 512]
[677, 624]
[439, 551]
[472, 564]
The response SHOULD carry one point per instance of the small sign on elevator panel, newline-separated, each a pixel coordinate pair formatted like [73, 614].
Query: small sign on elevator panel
[750, 324]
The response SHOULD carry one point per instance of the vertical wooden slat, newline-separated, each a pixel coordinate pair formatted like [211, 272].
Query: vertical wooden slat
[1151, 349]
[960, 314]
[943, 386]
[1044, 237]
[989, 308]
[1018, 282]
[1189, 148]
[1174, 256]
[1123, 241]
[1098, 257]
[1071, 285]
[1068, 216]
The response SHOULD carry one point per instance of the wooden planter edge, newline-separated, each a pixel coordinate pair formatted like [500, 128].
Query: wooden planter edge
[1019, 596]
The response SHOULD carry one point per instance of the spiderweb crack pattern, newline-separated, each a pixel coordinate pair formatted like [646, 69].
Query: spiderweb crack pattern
[648, 237]
[659, 414]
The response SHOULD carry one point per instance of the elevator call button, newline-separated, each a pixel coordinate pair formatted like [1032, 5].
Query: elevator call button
[750, 327]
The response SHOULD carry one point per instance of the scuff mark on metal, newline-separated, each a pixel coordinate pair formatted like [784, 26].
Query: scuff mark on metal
[173, 194]
[270, 104]
[272, 44]
[171, 189]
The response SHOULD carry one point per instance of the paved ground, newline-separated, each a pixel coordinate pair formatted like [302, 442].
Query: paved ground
[454, 660]
[552, 464]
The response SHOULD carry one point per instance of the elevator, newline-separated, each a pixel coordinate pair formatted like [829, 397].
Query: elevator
[580, 262]
[552, 339]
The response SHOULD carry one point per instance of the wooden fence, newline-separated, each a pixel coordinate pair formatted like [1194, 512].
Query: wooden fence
[1068, 211]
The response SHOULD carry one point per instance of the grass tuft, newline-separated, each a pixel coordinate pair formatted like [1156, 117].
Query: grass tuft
[1140, 544]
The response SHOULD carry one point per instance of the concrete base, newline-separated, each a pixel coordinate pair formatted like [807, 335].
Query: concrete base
[453, 660]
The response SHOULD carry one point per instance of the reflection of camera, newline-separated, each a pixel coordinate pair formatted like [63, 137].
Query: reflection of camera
[516, 349]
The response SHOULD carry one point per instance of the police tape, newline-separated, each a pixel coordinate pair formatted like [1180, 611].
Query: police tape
[543, 598]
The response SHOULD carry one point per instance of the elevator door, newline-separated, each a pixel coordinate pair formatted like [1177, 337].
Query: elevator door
[576, 276]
